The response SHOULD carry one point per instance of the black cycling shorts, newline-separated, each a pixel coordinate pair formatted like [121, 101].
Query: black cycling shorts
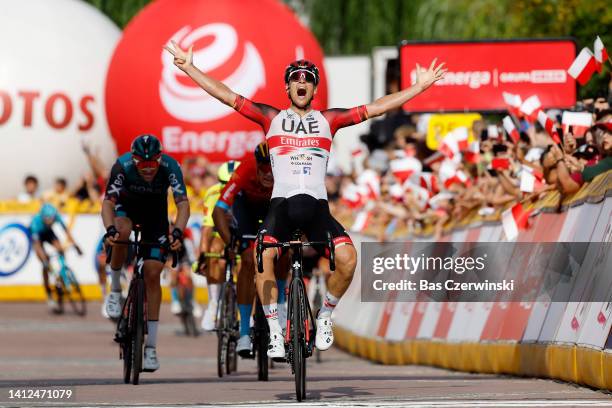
[247, 217]
[306, 213]
[152, 217]
[46, 236]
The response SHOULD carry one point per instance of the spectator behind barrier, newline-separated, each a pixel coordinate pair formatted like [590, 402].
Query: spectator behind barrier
[30, 185]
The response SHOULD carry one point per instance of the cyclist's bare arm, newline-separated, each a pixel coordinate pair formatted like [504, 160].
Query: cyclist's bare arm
[424, 79]
[184, 61]
[182, 214]
[108, 217]
[220, 218]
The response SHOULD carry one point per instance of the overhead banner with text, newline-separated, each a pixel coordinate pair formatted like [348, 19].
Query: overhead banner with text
[479, 72]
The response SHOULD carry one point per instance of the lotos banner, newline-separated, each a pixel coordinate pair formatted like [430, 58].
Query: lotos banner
[145, 92]
[479, 72]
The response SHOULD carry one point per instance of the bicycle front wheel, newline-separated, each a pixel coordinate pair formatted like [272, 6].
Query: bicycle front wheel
[262, 336]
[298, 341]
[138, 338]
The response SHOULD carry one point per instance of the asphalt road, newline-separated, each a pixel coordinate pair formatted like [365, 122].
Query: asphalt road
[40, 350]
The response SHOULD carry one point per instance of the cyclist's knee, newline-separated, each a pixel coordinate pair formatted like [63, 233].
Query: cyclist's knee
[124, 227]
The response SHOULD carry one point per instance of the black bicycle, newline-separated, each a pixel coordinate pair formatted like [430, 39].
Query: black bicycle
[301, 330]
[132, 325]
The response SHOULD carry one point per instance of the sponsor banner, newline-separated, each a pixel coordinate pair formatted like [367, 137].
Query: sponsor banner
[231, 45]
[480, 72]
[20, 266]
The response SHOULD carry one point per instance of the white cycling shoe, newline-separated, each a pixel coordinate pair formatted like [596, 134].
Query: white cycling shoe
[113, 304]
[325, 335]
[208, 321]
[150, 362]
[175, 307]
[244, 347]
[276, 348]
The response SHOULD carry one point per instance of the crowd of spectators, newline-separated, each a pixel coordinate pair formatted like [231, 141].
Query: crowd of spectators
[401, 183]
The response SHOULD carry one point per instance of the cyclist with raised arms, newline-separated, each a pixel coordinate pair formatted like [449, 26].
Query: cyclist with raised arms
[41, 231]
[300, 140]
[210, 241]
[248, 195]
[137, 193]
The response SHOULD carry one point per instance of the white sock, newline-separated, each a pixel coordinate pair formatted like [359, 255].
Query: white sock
[152, 333]
[329, 304]
[115, 279]
[213, 292]
[271, 312]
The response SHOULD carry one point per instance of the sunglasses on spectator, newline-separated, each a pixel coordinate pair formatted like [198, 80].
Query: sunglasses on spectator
[142, 164]
[302, 74]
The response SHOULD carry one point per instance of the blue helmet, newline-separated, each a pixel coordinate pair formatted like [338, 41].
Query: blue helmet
[48, 211]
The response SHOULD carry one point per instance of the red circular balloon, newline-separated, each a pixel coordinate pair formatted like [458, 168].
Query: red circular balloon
[246, 45]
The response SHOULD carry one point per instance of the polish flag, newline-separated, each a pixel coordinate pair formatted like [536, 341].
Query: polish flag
[429, 181]
[513, 220]
[511, 129]
[402, 169]
[351, 196]
[458, 177]
[455, 141]
[434, 158]
[371, 180]
[531, 179]
[530, 107]
[579, 121]
[362, 220]
[514, 102]
[472, 154]
[434, 202]
[601, 54]
[583, 67]
[492, 132]
[548, 124]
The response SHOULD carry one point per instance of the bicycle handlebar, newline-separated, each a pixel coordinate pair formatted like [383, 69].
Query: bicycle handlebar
[109, 249]
[329, 244]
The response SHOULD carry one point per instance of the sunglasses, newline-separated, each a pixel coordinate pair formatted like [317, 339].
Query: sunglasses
[142, 164]
[302, 74]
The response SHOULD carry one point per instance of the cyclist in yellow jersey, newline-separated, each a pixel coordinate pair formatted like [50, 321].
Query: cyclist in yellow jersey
[211, 242]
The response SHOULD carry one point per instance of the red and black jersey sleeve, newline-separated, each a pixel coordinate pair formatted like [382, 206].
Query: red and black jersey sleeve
[234, 185]
[257, 112]
[339, 118]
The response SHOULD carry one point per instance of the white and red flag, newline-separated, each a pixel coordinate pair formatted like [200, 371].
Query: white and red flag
[455, 141]
[600, 54]
[511, 129]
[548, 124]
[579, 121]
[437, 157]
[513, 220]
[530, 107]
[402, 169]
[371, 180]
[362, 220]
[429, 181]
[472, 154]
[583, 67]
[351, 196]
[531, 179]
[514, 103]
[492, 132]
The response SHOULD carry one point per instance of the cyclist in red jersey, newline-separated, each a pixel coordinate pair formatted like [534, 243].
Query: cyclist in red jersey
[247, 195]
[300, 140]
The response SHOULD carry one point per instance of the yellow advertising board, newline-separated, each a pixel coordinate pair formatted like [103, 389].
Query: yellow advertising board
[441, 124]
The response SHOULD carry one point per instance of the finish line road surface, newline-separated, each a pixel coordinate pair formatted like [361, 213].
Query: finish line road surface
[40, 350]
